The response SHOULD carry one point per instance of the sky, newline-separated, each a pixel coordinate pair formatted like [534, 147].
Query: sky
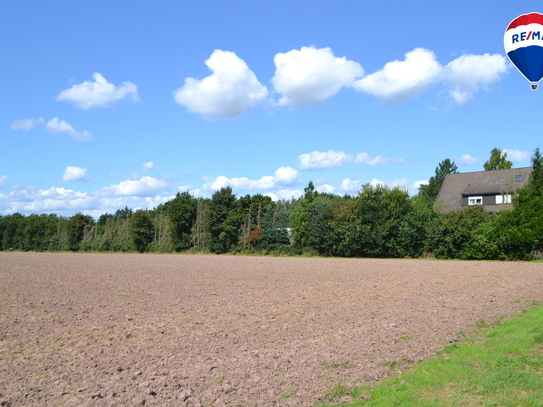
[108, 104]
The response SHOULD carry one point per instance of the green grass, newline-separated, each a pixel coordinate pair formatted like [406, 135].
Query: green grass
[502, 366]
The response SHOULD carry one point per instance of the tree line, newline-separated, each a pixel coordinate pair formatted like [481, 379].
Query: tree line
[379, 221]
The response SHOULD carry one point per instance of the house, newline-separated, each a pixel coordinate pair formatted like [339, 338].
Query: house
[492, 189]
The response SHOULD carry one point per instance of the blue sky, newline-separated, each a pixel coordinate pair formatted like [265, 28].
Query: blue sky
[107, 104]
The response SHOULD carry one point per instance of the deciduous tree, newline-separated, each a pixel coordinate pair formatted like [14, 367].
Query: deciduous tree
[428, 192]
[497, 161]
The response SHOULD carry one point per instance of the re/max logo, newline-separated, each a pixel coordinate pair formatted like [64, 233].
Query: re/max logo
[525, 36]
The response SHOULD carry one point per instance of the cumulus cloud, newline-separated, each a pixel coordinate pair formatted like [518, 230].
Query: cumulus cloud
[329, 189]
[60, 126]
[403, 183]
[286, 194]
[309, 76]
[366, 159]
[467, 159]
[31, 200]
[28, 199]
[74, 174]
[402, 80]
[98, 93]
[351, 186]
[227, 93]
[417, 184]
[143, 187]
[320, 160]
[286, 176]
[3, 179]
[283, 177]
[149, 166]
[469, 73]
[517, 155]
[26, 124]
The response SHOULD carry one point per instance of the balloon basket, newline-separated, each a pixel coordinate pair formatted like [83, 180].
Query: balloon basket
[534, 86]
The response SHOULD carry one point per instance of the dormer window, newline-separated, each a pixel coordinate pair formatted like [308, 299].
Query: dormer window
[503, 199]
[475, 200]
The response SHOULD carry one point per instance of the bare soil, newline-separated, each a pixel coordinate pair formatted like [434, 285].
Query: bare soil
[191, 330]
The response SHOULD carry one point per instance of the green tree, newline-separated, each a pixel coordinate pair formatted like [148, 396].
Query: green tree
[123, 213]
[321, 234]
[141, 230]
[497, 161]
[344, 224]
[415, 226]
[38, 232]
[536, 177]
[76, 229]
[274, 226]
[429, 192]
[520, 230]
[300, 216]
[200, 236]
[222, 201]
[380, 214]
[253, 208]
[13, 231]
[182, 213]
[455, 232]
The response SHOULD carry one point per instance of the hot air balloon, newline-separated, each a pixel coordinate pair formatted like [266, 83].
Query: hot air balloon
[523, 42]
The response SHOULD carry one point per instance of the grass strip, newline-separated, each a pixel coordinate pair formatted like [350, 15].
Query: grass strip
[502, 366]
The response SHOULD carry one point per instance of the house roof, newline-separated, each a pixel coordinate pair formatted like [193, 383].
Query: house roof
[456, 186]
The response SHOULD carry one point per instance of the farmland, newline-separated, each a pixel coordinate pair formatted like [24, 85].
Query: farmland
[133, 329]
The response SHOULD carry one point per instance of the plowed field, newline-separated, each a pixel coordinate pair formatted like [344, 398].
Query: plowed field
[191, 330]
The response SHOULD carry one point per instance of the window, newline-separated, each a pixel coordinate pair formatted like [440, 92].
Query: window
[475, 200]
[503, 199]
[518, 177]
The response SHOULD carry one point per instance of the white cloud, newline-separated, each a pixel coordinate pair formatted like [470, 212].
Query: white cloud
[3, 179]
[354, 186]
[310, 76]
[517, 155]
[149, 166]
[98, 93]
[67, 202]
[365, 159]
[417, 184]
[74, 174]
[404, 183]
[283, 177]
[286, 194]
[469, 73]
[26, 124]
[286, 176]
[350, 185]
[32, 200]
[60, 126]
[467, 159]
[374, 182]
[318, 160]
[402, 80]
[326, 188]
[143, 187]
[230, 91]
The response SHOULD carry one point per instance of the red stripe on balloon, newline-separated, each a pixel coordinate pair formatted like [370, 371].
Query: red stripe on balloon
[525, 19]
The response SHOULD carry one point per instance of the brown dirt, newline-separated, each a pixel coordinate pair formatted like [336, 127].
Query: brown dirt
[191, 330]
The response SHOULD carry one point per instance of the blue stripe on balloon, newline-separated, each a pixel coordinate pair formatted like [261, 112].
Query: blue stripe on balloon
[529, 61]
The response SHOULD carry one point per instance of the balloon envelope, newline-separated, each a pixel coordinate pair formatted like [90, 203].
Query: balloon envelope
[523, 42]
